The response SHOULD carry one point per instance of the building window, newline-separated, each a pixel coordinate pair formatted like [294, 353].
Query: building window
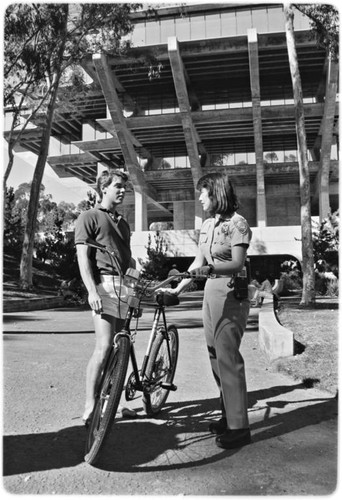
[167, 28]
[197, 30]
[276, 19]
[183, 28]
[138, 35]
[290, 156]
[251, 158]
[212, 26]
[152, 33]
[244, 21]
[259, 20]
[228, 24]
[240, 158]
[301, 22]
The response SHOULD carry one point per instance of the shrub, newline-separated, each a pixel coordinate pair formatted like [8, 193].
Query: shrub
[291, 276]
[156, 267]
[326, 245]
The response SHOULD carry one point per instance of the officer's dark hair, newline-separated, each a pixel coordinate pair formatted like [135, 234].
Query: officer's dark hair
[221, 193]
[106, 178]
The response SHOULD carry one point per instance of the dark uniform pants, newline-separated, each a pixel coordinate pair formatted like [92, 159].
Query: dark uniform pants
[224, 321]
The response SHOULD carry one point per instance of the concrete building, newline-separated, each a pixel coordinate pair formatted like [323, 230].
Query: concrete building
[206, 87]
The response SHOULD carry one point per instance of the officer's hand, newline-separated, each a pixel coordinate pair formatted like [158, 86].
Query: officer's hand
[95, 302]
[200, 272]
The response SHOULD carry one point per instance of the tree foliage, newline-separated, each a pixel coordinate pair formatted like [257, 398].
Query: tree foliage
[42, 39]
[324, 22]
[54, 221]
[326, 244]
[43, 44]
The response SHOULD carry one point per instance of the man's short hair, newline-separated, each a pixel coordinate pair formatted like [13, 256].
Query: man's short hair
[106, 178]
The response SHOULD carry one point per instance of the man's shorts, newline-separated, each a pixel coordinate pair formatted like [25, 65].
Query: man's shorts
[114, 296]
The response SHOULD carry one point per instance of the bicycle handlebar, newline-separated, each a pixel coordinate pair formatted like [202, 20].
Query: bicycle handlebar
[148, 290]
[161, 284]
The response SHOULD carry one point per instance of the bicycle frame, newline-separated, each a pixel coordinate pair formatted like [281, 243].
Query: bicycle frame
[140, 374]
[155, 380]
[131, 278]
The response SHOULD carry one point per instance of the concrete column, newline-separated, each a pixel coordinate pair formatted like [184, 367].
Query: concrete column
[183, 215]
[199, 214]
[141, 223]
[257, 125]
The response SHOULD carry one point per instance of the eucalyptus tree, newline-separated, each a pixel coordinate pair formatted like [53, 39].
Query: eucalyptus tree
[324, 25]
[43, 44]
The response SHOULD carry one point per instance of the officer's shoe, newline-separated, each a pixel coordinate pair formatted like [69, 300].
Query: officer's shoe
[234, 438]
[218, 427]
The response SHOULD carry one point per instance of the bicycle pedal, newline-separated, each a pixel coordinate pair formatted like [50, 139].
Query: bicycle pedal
[168, 386]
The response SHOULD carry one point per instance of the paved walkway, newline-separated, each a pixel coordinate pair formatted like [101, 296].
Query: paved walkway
[294, 429]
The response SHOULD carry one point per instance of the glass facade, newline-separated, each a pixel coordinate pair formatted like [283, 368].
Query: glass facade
[227, 23]
[234, 22]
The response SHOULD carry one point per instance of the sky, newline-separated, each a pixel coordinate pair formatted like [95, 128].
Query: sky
[69, 189]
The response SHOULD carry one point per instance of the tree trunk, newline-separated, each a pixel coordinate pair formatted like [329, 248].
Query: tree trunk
[30, 229]
[9, 166]
[308, 293]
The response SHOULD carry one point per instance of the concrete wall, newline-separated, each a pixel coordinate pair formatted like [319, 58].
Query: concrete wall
[183, 214]
[282, 204]
[274, 240]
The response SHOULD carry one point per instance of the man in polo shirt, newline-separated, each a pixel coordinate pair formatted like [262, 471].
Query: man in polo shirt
[107, 296]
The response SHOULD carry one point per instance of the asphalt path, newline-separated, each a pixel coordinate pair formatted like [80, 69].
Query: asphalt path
[294, 429]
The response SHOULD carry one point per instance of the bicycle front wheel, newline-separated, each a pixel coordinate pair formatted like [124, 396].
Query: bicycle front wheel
[160, 370]
[107, 399]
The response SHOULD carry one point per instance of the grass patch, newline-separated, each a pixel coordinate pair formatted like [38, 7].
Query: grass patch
[315, 330]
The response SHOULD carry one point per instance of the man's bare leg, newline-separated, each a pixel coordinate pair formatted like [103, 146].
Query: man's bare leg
[105, 327]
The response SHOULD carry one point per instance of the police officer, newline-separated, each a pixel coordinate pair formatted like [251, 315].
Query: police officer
[224, 239]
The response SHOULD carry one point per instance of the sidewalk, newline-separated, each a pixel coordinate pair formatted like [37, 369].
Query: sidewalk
[294, 429]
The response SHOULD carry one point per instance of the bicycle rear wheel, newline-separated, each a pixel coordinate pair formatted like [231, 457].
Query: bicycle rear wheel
[107, 399]
[161, 369]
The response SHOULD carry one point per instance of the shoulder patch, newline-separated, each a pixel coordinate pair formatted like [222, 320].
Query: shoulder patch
[241, 225]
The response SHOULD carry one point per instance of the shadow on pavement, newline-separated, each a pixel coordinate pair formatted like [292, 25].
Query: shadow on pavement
[13, 318]
[178, 439]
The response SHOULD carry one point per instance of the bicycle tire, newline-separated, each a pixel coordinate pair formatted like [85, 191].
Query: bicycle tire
[159, 370]
[107, 399]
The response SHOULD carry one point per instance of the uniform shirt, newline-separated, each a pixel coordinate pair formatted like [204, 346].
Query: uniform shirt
[218, 236]
[97, 225]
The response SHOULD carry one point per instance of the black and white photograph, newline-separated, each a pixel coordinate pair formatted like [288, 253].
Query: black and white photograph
[170, 249]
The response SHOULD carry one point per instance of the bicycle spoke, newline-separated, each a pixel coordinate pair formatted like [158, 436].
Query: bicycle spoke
[160, 370]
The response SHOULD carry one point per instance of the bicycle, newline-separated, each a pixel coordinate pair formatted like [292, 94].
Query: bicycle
[155, 378]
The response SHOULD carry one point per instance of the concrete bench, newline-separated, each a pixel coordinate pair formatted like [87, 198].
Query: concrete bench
[278, 287]
[275, 340]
